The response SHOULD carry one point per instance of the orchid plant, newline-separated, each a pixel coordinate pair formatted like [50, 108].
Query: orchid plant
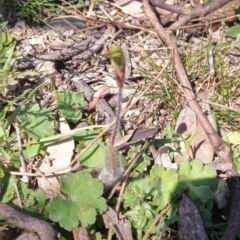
[113, 169]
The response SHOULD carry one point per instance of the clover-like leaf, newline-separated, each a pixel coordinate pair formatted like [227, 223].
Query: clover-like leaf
[69, 104]
[203, 193]
[161, 199]
[163, 180]
[198, 179]
[137, 190]
[164, 184]
[83, 203]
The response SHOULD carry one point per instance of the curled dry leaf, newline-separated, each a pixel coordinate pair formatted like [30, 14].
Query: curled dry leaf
[61, 154]
[163, 158]
[40, 40]
[135, 136]
[200, 146]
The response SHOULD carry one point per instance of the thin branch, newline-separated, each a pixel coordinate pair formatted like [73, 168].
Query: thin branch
[200, 11]
[155, 221]
[222, 149]
[28, 223]
[18, 196]
[20, 149]
[170, 8]
[23, 167]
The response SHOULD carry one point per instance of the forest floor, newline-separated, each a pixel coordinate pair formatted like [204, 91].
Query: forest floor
[172, 172]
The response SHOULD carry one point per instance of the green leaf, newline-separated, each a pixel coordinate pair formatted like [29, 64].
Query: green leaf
[138, 216]
[6, 39]
[7, 188]
[131, 199]
[233, 138]
[32, 199]
[95, 156]
[156, 171]
[161, 199]
[232, 31]
[38, 122]
[32, 150]
[204, 212]
[26, 96]
[184, 169]
[3, 25]
[164, 184]
[69, 104]
[83, 204]
[40, 198]
[198, 179]
[163, 180]
[143, 162]
[7, 46]
[137, 190]
[4, 154]
[169, 180]
[203, 193]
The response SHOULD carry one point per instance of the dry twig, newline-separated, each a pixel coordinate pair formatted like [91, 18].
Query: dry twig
[189, 14]
[221, 149]
[28, 223]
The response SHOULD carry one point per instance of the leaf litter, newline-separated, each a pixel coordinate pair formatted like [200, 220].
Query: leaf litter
[151, 187]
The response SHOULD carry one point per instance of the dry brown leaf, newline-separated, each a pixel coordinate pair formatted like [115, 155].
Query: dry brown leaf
[122, 226]
[135, 136]
[190, 224]
[201, 148]
[39, 40]
[60, 153]
[81, 233]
